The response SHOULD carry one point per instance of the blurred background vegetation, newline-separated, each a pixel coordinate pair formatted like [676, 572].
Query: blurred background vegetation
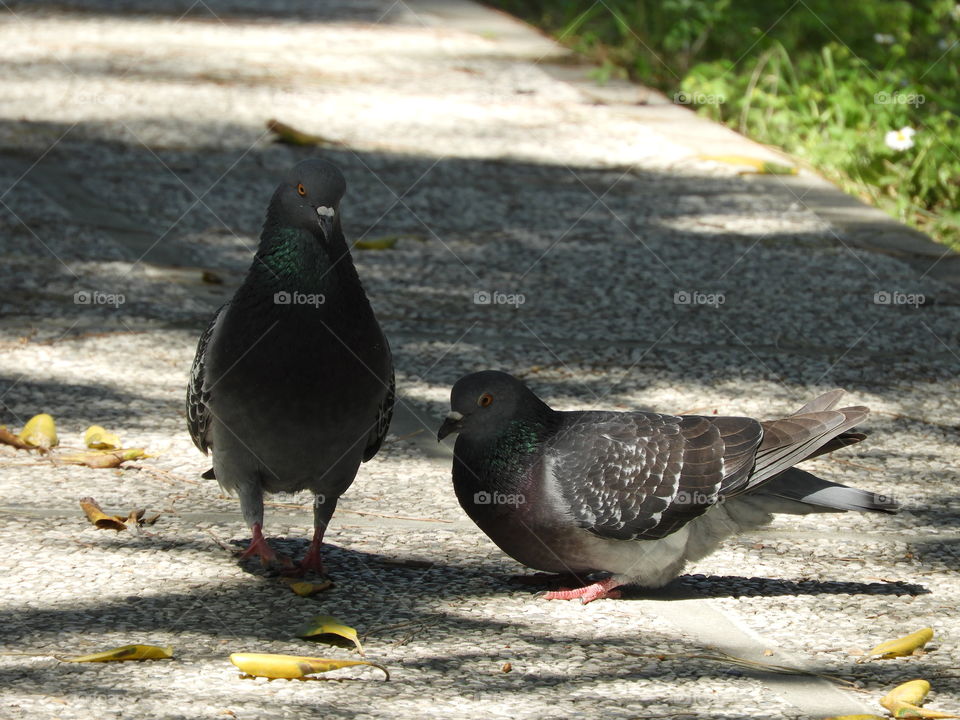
[828, 81]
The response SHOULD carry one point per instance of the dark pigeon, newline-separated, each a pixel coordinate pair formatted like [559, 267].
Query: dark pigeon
[634, 495]
[292, 386]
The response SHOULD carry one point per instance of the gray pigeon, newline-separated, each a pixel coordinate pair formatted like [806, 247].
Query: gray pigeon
[634, 495]
[292, 386]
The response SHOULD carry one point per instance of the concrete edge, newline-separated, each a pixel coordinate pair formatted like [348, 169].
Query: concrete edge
[858, 226]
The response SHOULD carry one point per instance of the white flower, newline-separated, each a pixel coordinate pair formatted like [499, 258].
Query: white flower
[901, 139]
[884, 39]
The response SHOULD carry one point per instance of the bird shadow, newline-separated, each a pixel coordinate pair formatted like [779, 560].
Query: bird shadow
[690, 587]
[685, 587]
[338, 560]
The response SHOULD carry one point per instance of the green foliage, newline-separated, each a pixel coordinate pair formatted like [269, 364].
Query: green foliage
[825, 80]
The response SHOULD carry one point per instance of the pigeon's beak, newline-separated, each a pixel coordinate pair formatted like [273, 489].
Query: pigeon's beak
[326, 214]
[452, 423]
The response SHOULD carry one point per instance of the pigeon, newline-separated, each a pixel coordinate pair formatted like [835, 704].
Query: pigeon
[619, 498]
[292, 386]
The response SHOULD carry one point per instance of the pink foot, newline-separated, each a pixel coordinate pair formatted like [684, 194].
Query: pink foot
[589, 593]
[258, 546]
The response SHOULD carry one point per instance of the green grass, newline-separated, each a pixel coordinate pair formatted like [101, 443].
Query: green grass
[823, 79]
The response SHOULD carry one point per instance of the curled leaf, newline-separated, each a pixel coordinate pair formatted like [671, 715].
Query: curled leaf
[306, 589]
[292, 666]
[127, 652]
[104, 459]
[99, 518]
[904, 701]
[40, 432]
[291, 136]
[132, 454]
[329, 625]
[913, 692]
[98, 438]
[905, 645]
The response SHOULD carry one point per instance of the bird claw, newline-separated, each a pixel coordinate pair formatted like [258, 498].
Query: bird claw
[312, 561]
[261, 548]
[268, 556]
[588, 593]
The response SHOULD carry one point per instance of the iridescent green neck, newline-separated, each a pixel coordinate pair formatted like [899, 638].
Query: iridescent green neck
[291, 253]
[292, 259]
[514, 447]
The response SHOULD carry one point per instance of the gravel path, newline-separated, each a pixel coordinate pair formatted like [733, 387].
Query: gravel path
[134, 157]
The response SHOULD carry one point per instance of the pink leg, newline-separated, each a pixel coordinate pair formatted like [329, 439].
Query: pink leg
[259, 546]
[589, 593]
[312, 560]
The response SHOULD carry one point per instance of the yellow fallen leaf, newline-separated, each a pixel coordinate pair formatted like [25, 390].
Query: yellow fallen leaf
[772, 168]
[762, 167]
[905, 645]
[306, 589]
[98, 438]
[906, 710]
[127, 652]
[904, 701]
[98, 517]
[292, 666]
[329, 625]
[384, 243]
[103, 458]
[40, 432]
[291, 136]
[913, 692]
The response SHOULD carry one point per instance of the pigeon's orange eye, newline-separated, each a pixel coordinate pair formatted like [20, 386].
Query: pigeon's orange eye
[301, 190]
[485, 400]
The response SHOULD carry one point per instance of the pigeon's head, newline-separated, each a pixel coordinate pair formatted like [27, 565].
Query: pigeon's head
[309, 197]
[486, 401]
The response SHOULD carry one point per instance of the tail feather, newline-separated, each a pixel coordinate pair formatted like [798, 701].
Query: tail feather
[818, 495]
[827, 401]
[840, 441]
[815, 429]
[793, 439]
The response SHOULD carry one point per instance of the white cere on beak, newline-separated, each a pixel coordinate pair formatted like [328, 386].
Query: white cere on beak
[324, 211]
[455, 416]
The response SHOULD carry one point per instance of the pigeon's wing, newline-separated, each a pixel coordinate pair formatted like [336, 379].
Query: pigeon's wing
[384, 414]
[198, 414]
[644, 475]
